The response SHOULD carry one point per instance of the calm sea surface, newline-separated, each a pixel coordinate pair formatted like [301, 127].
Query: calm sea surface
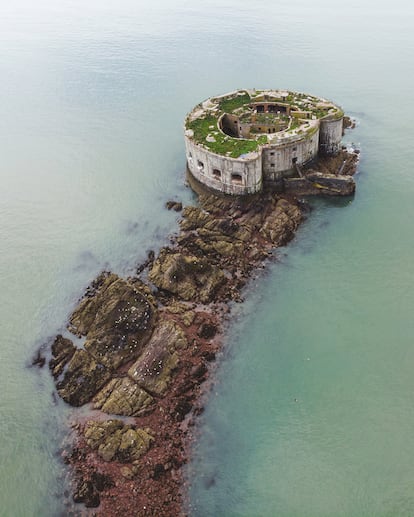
[312, 413]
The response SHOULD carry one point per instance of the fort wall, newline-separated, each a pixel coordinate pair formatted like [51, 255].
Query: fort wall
[235, 145]
[236, 176]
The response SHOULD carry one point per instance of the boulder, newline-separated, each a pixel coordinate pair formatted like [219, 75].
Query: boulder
[280, 224]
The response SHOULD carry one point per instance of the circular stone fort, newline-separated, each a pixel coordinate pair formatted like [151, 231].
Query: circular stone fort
[238, 142]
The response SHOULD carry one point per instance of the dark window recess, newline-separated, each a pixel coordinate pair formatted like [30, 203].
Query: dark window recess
[272, 165]
[236, 178]
[294, 160]
[260, 109]
[294, 149]
[200, 165]
[272, 153]
[217, 173]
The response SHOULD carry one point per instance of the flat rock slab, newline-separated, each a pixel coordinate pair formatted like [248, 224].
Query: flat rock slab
[123, 396]
[154, 369]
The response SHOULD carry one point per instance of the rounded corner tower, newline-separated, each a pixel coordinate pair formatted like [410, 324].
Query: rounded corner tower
[237, 142]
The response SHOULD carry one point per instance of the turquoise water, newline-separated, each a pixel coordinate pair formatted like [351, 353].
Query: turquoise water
[93, 98]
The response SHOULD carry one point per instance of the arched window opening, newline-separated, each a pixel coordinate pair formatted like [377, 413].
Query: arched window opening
[217, 174]
[237, 178]
[200, 165]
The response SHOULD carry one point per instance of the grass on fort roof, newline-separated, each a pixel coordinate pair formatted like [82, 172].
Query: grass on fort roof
[223, 145]
[229, 105]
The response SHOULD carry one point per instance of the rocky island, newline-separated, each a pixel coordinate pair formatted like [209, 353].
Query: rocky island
[138, 350]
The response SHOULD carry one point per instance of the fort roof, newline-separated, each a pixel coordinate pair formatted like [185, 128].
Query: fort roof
[241, 122]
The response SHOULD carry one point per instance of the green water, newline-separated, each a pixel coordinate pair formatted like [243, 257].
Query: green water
[93, 95]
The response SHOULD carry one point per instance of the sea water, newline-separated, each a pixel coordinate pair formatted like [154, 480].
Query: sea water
[312, 412]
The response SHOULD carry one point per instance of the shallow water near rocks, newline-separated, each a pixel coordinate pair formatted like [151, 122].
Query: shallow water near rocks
[313, 411]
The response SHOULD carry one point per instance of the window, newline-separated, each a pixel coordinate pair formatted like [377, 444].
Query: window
[217, 174]
[294, 160]
[236, 178]
[272, 153]
[294, 149]
[272, 165]
[200, 165]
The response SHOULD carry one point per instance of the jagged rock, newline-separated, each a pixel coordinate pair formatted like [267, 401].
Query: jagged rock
[115, 440]
[62, 352]
[154, 369]
[83, 377]
[117, 320]
[187, 276]
[193, 217]
[123, 396]
[280, 224]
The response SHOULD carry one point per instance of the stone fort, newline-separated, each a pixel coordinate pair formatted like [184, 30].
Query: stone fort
[238, 142]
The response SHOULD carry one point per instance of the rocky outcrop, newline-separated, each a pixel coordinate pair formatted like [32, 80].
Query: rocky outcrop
[116, 441]
[154, 369]
[144, 349]
[187, 276]
[123, 396]
[116, 317]
[83, 377]
[117, 321]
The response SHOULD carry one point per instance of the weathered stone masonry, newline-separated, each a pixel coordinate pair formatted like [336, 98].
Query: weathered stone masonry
[237, 142]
